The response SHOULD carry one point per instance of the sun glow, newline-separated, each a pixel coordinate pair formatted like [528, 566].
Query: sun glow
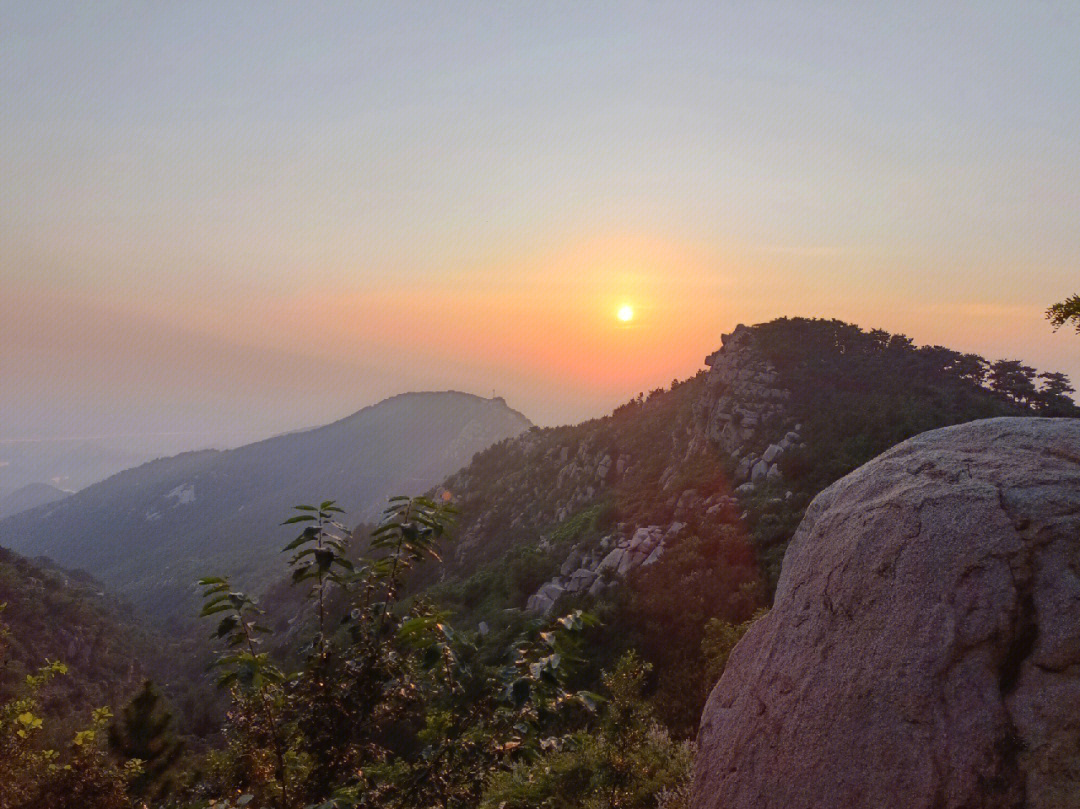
[625, 314]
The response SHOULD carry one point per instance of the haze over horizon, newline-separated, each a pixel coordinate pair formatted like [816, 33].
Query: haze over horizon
[239, 219]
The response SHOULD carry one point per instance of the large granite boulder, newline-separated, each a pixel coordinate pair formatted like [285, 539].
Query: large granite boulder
[924, 646]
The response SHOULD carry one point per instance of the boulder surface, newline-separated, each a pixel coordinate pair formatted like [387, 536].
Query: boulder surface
[923, 650]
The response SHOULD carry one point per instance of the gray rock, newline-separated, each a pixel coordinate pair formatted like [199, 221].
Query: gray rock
[687, 502]
[539, 603]
[603, 467]
[772, 453]
[653, 557]
[570, 564]
[552, 590]
[641, 535]
[611, 561]
[742, 471]
[745, 489]
[923, 649]
[774, 473]
[760, 472]
[581, 579]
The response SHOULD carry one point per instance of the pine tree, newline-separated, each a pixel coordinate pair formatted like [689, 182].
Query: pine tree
[144, 732]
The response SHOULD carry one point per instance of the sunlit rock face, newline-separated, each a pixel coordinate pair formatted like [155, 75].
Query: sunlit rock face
[924, 646]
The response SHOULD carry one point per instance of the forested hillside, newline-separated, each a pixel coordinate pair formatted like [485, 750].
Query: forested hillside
[51, 615]
[676, 509]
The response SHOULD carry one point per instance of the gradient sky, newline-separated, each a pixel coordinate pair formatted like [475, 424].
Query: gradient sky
[228, 219]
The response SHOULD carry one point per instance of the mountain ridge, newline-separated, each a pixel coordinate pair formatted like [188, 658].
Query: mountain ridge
[32, 495]
[675, 510]
[149, 532]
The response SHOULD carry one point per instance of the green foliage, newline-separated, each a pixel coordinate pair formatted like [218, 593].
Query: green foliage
[719, 640]
[1067, 311]
[587, 522]
[35, 775]
[144, 733]
[319, 554]
[1013, 379]
[627, 761]
[58, 615]
[665, 610]
[391, 707]
[858, 393]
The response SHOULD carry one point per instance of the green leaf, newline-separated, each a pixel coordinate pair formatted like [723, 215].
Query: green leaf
[227, 625]
[296, 543]
[299, 518]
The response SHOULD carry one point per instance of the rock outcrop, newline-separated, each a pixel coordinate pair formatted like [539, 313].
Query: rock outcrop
[744, 410]
[594, 573]
[924, 646]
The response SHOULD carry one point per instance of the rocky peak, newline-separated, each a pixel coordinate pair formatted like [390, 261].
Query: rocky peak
[744, 410]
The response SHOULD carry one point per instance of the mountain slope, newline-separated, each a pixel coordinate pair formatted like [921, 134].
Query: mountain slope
[72, 464]
[150, 532]
[677, 508]
[52, 615]
[30, 496]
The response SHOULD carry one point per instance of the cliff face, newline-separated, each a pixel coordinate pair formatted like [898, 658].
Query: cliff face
[744, 411]
[924, 645]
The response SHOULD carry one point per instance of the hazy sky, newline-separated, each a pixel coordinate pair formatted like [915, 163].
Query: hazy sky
[234, 218]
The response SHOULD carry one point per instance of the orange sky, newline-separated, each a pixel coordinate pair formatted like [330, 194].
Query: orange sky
[540, 330]
[233, 223]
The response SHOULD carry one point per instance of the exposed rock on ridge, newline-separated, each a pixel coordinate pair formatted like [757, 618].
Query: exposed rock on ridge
[595, 574]
[924, 646]
[744, 410]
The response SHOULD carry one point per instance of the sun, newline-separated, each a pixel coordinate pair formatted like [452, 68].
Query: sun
[625, 313]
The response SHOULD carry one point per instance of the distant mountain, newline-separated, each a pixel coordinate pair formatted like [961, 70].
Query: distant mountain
[66, 464]
[30, 496]
[150, 532]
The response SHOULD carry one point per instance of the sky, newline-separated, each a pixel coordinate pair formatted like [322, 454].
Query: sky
[223, 220]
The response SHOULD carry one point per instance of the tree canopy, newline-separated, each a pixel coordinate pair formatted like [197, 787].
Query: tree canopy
[1068, 311]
